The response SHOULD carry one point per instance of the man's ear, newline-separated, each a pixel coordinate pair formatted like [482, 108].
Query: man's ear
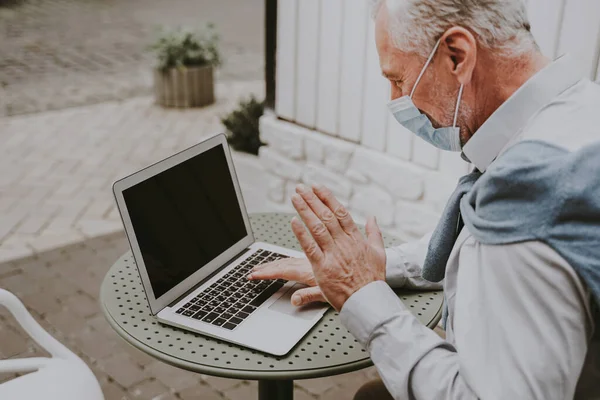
[459, 47]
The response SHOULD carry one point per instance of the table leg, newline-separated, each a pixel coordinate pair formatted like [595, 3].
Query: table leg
[276, 390]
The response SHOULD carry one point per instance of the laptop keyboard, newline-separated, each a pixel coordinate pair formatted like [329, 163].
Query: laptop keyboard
[231, 299]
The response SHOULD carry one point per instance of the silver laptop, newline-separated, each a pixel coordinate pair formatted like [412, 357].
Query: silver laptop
[193, 245]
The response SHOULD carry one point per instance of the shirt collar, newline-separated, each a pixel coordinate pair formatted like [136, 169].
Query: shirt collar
[508, 120]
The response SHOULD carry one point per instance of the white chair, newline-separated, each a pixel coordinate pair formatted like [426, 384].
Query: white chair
[62, 377]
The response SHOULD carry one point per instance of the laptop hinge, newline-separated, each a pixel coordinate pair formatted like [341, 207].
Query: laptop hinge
[208, 277]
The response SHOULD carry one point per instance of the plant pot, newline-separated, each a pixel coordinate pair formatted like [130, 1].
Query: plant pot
[184, 87]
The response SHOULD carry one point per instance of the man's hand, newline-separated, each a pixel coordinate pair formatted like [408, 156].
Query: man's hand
[343, 261]
[292, 269]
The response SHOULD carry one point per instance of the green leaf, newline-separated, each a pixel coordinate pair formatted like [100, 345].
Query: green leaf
[185, 48]
[242, 126]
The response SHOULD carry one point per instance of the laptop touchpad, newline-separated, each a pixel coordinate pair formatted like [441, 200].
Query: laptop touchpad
[284, 305]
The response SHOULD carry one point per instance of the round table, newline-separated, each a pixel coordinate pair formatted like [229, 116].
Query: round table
[328, 349]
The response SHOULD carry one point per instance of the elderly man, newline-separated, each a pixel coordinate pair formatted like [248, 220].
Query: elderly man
[518, 246]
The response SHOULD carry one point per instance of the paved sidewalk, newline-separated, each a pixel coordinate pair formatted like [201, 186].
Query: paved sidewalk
[60, 232]
[59, 229]
[58, 167]
[61, 53]
[61, 288]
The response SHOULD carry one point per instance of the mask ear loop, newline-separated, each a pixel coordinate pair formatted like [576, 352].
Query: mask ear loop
[460, 92]
[425, 67]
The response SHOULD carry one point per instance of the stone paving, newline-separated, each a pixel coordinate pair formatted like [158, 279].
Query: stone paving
[59, 228]
[61, 287]
[58, 167]
[62, 53]
[60, 232]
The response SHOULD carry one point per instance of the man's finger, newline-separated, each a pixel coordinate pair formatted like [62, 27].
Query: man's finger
[308, 295]
[374, 236]
[271, 264]
[323, 212]
[265, 269]
[317, 228]
[308, 244]
[338, 209]
[275, 270]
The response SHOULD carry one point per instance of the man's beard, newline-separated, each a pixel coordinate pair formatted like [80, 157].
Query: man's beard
[463, 112]
[434, 122]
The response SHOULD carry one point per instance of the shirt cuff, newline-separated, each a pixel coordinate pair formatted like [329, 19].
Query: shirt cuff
[368, 308]
[393, 259]
[394, 265]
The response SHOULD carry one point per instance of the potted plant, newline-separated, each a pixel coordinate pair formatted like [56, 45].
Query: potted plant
[242, 125]
[184, 76]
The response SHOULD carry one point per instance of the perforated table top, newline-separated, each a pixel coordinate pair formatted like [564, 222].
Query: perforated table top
[328, 349]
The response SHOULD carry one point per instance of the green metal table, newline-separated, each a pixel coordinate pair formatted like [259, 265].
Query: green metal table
[328, 349]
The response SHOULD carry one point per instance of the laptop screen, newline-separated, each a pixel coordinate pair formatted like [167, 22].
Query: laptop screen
[185, 217]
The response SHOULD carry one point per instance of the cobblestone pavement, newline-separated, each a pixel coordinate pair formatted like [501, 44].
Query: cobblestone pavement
[60, 232]
[58, 167]
[61, 287]
[59, 229]
[61, 53]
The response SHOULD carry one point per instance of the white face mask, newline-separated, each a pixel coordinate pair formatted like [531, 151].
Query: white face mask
[409, 116]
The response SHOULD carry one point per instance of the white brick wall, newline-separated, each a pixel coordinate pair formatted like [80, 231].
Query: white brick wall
[405, 197]
[373, 200]
[320, 174]
[275, 160]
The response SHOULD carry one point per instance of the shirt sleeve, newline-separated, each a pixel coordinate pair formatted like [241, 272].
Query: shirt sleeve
[405, 263]
[521, 327]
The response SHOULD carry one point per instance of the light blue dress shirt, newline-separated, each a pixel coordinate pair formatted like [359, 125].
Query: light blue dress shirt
[520, 324]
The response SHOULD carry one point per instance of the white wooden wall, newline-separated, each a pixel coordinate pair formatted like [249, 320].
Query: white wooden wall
[328, 74]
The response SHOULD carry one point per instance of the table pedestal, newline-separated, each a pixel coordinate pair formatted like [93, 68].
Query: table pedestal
[276, 390]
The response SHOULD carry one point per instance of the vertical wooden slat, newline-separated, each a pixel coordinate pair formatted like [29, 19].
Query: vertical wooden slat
[581, 33]
[596, 69]
[176, 87]
[306, 62]
[196, 80]
[375, 94]
[354, 34]
[328, 86]
[545, 17]
[286, 59]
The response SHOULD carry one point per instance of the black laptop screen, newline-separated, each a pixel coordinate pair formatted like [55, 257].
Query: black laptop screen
[185, 217]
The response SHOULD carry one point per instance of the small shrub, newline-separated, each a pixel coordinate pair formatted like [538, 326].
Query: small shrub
[242, 126]
[185, 48]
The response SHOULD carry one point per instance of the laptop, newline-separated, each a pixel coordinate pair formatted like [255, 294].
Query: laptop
[192, 242]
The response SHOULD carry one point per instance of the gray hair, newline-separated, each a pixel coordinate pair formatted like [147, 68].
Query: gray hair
[415, 25]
